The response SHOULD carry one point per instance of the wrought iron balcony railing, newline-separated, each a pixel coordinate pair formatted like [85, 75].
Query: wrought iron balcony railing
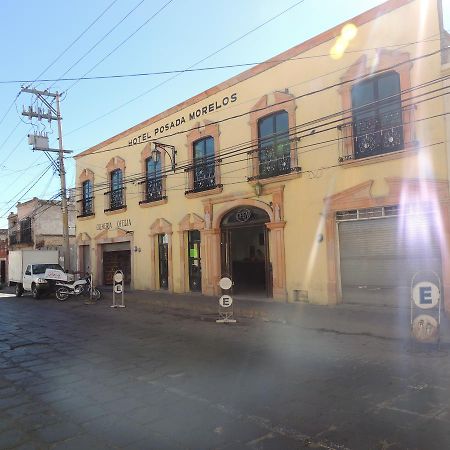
[202, 176]
[271, 161]
[376, 135]
[115, 199]
[153, 189]
[85, 207]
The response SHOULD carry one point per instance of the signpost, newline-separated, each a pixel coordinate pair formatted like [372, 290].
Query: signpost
[226, 302]
[118, 289]
[426, 307]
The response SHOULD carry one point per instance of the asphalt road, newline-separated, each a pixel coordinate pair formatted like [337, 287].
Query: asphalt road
[90, 377]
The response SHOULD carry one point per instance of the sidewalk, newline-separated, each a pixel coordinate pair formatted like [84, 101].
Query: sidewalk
[378, 321]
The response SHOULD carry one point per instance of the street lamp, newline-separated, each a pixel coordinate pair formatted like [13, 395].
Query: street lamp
[156, 153]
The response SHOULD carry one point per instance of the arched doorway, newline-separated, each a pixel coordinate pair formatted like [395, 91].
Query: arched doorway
[245, 250]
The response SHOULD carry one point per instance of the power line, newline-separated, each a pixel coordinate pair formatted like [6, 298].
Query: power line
[74, 42]
[247, 146]
[201, 69]
[140, 176]
[99, 41]
[54, 61]
[13, 200]
[190, 67]
[121, 43]
[307, 94]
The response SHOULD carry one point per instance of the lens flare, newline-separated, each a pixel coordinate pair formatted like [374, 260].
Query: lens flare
[349, 31]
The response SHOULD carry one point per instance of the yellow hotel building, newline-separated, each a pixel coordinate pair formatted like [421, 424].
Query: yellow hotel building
[320, 175]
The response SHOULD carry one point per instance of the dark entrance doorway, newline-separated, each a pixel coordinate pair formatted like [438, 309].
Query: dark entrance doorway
[2, 271]
[195, 268]
[116, 258]
[245, 251]
[163, 256]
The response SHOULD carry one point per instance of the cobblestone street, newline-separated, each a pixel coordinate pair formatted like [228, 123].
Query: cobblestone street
[90, 377]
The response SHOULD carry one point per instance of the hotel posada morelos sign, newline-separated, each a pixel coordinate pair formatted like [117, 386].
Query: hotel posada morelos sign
[192, 115]
[121, 223]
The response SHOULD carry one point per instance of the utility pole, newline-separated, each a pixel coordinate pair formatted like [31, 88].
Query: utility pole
[54, 114]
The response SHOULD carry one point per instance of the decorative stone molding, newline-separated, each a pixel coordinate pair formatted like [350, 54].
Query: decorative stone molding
[361, 69]
[116, 163]
[86, 175]
[208, 129]
[216, 208]
[191, 222]
[160, 226]
[83, 238]
[267, 105]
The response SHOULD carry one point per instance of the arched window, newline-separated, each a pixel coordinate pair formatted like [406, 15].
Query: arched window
[153, 180]
[377, 115]
[204, 164]
[274, 145]
[117, 197]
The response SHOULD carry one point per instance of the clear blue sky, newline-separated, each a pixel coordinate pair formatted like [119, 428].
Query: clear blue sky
[186, 31]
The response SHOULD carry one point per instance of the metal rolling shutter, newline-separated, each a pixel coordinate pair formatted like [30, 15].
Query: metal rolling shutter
[116, 256]
[379, 257]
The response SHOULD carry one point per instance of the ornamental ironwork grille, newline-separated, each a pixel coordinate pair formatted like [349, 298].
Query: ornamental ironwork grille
[153, 186]
[274, 146]
[116, 195]
[204, 173]
[87, 202]
[377, 116]
[154, 189]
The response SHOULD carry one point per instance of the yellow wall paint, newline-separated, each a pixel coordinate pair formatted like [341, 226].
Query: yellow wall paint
[306, 257]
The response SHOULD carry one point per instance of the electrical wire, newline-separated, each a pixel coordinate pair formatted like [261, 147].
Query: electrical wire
[34, 182]
[101, 187]
[121, 43]
[305, 124]
[244, 148]
[190, 67]
[99, 41]
[73, 42]
[208, 68]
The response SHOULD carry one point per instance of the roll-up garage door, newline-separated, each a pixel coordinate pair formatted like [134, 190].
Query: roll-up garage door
[116, 257]
[379, 257]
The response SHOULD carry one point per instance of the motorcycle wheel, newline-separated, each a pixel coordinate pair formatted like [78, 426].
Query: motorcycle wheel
[96, 294]
[62, 294]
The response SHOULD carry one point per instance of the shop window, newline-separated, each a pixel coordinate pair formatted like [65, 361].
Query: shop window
[377, 116]
[274, 145]
[87, 207]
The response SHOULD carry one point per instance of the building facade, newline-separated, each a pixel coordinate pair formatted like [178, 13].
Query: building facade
[3, 255]
[37, 225]
[320, 175]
